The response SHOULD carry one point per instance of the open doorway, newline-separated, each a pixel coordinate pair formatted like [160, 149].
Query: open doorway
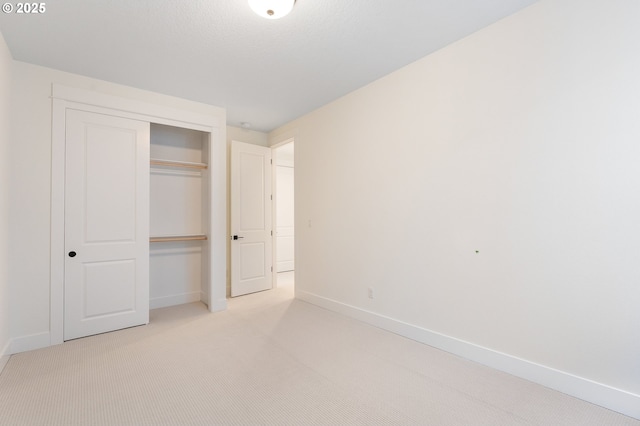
[284, 245]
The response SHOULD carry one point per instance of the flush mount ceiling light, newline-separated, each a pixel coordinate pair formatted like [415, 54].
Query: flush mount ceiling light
[272, 9]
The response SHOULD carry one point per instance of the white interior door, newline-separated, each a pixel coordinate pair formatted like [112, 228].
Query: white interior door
[106, 224]
[284, 219]
[251, 233]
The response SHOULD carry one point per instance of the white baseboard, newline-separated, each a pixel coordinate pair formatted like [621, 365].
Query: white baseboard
[174, 299]
[597, 393]
[4, 355]
[218, 305]
[285, 266]
[43, 340]
[30, 342]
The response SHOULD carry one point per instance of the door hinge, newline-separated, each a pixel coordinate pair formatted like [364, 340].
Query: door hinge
[271, 197]
[272, 269]
[272, 233]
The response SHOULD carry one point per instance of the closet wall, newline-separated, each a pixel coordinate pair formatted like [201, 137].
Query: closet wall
[179, 225]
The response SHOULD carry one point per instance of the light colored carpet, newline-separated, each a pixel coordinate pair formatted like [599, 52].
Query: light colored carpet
[270, 360]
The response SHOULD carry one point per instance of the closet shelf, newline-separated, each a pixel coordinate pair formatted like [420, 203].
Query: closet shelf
[173, 163]
[170, 238]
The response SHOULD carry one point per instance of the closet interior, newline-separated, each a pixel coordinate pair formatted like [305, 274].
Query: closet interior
[179, 228]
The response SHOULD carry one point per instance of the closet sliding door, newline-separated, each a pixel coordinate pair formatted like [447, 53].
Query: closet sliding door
[106, 284]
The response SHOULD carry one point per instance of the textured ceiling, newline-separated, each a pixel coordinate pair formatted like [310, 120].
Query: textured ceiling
[264, 72]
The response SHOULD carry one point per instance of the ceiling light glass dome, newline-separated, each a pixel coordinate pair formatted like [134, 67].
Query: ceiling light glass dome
[272, 9]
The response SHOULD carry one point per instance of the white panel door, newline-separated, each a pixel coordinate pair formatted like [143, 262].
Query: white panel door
[251, 244]
[284, 219]
[106, 224]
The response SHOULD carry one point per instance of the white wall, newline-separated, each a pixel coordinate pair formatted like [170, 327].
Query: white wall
[5, 138]
[488, 194]
[30, 197]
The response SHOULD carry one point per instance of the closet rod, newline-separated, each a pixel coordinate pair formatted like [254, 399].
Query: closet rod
[172, 163]
[177, 238]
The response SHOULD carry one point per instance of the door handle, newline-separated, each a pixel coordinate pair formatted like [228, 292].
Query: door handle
[235, 237]
[72, 254]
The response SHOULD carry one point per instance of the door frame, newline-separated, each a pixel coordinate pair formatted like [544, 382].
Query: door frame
[63, 98]
[274, 189]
